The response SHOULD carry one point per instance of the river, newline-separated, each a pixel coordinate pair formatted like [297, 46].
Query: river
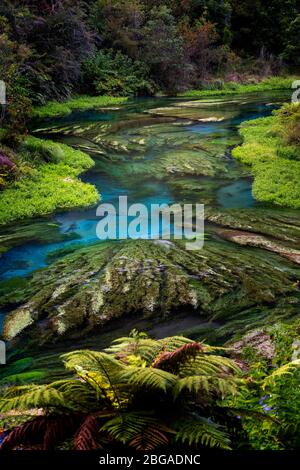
[147, 150]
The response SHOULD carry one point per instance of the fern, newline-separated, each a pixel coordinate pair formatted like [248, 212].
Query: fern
[111, 386]
[38, 396]
[139, 430]
[287, 369]
[45, 431]
[209, 384]
[87, 436]
[148, 377]
[202, 431]
[149, 439]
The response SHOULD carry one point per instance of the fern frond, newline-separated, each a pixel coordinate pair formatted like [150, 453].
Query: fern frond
[45, 431]
[171, 343]
[202, 431]
[209, 364]
[145, 348]
[210, 384]
[138, 429]
[93, 361]
[87, 436]
[287, 369]
[148, 377]
[149, 438]
[172, 360]
[79, 395]
[39, 396]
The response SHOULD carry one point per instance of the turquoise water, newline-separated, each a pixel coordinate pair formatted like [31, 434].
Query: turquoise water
[80, 225]
[236, 195]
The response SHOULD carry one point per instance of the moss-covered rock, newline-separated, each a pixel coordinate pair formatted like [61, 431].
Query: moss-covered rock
[87, 289]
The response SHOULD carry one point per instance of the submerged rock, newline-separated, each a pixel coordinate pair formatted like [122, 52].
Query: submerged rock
[259, 241]
[85, 290]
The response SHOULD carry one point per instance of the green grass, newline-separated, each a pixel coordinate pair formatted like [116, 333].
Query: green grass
[49, 182]
[232, 88]
[274, 160]
[80, 103]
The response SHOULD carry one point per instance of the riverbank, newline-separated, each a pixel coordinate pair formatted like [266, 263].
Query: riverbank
[232, 88]
[55, 109]
[47, 181]
[272, 148]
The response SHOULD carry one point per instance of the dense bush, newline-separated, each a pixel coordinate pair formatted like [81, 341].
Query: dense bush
[107, 73]
[272, 388]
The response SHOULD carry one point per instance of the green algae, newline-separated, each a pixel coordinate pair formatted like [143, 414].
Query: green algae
[41, 231]
[85, 290]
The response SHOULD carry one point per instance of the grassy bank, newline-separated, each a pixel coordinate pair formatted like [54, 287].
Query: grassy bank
[80, 103]
[47, 181]
[232, 88]
[272, 148]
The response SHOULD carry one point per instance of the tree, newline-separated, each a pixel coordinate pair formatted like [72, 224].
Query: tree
[109, 73]
[162, 50]
[291, 52]
[119, 24]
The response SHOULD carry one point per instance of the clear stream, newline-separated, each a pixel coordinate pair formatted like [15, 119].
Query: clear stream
[80, 225]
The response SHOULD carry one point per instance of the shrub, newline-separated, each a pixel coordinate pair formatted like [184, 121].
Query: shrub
[107, 73]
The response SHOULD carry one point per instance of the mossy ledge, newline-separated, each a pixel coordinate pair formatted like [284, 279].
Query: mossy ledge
[47, 181]
[85, 290]
[272, 148]
[54, 109]
[219, 88]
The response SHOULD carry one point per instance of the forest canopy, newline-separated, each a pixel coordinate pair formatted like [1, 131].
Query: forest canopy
[53, 48]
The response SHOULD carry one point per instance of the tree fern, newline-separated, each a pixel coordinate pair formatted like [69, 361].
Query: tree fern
[110, 387]
[148, 377]
[198, 430]
[87, 436]
[38, 396]
[210, 384]
[150, 438]
[137, 429]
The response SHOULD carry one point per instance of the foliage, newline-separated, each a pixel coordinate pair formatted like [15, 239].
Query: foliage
[116, 74]
[8, 168]
[124, 396]
[273, 388]
[163, 50]
[54, 109]
[47, 181]
[274, 161]
[230, 88]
